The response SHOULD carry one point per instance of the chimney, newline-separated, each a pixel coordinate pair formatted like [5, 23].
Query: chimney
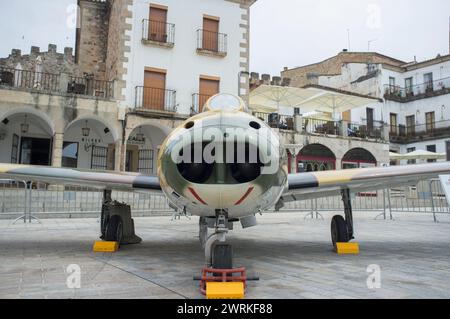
[35, 50]
[266, 79]
[68, 54]
[52, 48]
[276, 80]
[285, 68]
[16, 53]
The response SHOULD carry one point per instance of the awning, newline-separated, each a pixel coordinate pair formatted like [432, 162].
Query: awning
[313, 98]
[418, 155]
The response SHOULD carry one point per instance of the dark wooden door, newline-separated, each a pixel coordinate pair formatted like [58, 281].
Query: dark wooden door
[157, 25]
[210, 34]
[154, 90]
[208, 88]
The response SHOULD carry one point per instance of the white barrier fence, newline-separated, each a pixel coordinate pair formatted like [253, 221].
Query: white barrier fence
[19, 198]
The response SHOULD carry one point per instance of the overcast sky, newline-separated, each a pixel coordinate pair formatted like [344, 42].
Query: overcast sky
[283, 32]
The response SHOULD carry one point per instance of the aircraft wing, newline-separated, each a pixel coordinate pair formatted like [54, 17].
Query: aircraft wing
[67, 176]
[330, 183]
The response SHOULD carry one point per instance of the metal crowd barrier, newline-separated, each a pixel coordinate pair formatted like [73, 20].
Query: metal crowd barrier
[29, 200]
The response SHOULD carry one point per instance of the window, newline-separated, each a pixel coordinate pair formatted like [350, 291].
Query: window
[99, 158]
[428, 81]
[411, 125]
[210, 34]
[447, 148]
[209, 86]
[157, 27]
[431, 148]
[409, 86]
[154, 95]
[394, 124]
[70, 155]
[145, 165]
[410, 150]
[430, 121]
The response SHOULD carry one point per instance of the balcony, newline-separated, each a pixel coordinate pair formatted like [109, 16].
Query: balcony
[211, 43]
[198, 102]
[23, 79]
[417, 92]
[88, 86]
[154, 99]
[56, 83]
[312, 126]
[403, 134]
[158, 33]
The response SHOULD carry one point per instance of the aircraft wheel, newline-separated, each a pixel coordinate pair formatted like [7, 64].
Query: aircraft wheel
[339, 232]
[222, 257]
[114, 229]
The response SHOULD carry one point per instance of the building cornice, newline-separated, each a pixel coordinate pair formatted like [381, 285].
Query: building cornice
[243, 2]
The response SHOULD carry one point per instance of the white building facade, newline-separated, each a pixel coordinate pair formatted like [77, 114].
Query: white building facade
[416, 103]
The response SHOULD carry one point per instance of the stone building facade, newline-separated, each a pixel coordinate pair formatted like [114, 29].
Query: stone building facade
[79, 108]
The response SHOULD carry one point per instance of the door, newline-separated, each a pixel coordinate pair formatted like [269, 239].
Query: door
[428, 81]
[392, 85]
[157, 24]
[411, 125]
[409, 86]
[15, 149]
[208, 88]
[430, 119]
[154, 90]
[394, 124]
[369, 113]
[211, 34]
[35, 151]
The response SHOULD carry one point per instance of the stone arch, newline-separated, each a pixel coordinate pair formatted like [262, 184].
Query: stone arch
[142, 146]
[95, 118]
[89, 142]
[358, 157]
[316, 157]
[28, 110]
[27, 137]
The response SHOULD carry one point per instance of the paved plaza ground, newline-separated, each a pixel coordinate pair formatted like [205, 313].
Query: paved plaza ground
[292, 256]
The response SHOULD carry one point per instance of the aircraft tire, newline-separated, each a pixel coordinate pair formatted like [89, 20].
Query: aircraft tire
[114, 229]
[339, 232]
[222, 257]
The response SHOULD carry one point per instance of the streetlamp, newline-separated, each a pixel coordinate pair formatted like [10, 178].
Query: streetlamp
[24, 127]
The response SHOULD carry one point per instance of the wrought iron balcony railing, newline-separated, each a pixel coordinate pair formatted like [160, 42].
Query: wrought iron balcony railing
[212, 42]
[155, 99]
[418, 91]
[198, 102]
[24, 79]
[158, 31]
[404, 133]
[90, 87]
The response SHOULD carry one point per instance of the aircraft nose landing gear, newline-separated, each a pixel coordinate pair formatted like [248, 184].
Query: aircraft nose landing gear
[342, 229]
[218, 254]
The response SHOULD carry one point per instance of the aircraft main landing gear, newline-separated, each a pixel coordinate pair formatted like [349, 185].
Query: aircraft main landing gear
[116, 222]
[342, 229]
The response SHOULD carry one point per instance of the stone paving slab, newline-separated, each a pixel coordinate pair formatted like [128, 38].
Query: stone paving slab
[293, 257]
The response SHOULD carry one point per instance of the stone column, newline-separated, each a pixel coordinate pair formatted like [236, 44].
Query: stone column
[343, 128]
[58, 141]
[385, 133]
[118, 156]
[338, 163]
[298, 124]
